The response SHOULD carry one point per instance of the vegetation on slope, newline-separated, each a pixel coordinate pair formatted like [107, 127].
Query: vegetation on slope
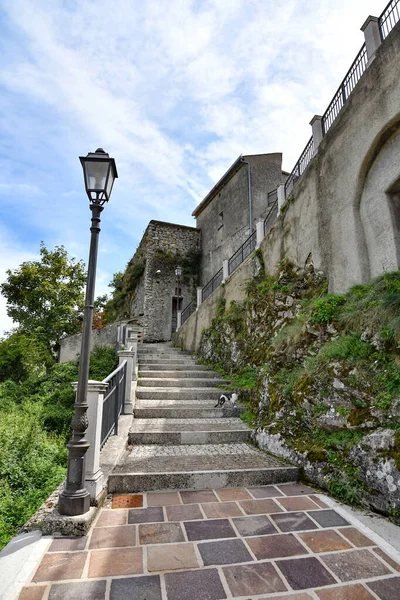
[323, 370]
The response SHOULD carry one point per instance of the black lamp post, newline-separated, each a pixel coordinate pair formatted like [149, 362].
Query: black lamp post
[99, 172]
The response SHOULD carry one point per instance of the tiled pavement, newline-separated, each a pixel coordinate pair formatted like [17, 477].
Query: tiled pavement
[261, 543]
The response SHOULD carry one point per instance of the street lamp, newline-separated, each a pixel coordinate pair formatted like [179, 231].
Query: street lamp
[99, 172]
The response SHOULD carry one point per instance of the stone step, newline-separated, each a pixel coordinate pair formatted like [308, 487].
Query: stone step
[146, 382]
[183, 374]
[175, 393]
[195, 466]
[187, 411]
[175, 367]
[188, 431]
[161, 355]
[166, 361]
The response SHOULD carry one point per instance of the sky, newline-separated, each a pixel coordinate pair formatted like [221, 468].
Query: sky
[174, 90]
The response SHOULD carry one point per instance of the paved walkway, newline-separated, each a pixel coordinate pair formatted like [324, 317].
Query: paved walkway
[266, 542]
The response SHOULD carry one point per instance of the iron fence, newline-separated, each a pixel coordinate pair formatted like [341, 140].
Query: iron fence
[389, 18]
[300, 166]
[244, 251]
[212, 285]
[272, 197]
[113, 402]
[271, 216]
[348, 84]
[188, 310]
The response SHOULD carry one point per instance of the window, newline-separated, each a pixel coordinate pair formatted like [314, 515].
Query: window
[220, 220]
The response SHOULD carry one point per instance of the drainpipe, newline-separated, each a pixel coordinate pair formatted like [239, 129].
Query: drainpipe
[245, 162]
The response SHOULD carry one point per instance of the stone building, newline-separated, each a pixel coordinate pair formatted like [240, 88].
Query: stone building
[229, 213]
[151, 289]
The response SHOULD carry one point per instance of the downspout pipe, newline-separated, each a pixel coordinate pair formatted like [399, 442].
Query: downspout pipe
[245, 162]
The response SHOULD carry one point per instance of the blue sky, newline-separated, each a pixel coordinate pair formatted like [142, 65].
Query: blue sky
[174, 91]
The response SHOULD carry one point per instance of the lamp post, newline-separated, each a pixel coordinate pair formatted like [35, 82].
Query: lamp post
[178, 275]
[99, 172]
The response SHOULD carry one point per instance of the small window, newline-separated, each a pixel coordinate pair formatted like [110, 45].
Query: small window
[220, 220]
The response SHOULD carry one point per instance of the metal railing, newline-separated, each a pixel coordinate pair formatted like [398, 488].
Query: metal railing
[300, 166]
[113, 402]
[271, 216]
[188, 310]
[348, 84]
[244, 251]
[389, 18]
[272, 197]
[212, 285]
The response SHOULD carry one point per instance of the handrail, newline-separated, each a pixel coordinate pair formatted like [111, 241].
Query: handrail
[269, 218]
[272, 197]
[300, 166]
[111, 375]
[212, 284]
[243, 252]
[389, 18]
[188, 310]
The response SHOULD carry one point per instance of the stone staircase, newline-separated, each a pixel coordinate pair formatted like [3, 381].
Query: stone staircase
[179, 440]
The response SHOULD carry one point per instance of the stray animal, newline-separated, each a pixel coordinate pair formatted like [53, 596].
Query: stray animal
[227, 397]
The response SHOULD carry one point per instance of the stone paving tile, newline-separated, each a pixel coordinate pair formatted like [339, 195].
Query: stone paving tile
[160, 533]
[126, 561]
[61, 565]
[324, 541]
[356, 537]
[162, 498]
[318, 501]
[295, 489]
[33, 592]
[146, 515]
[294, 521]
[85, 590]
[233, 494]
[198, 496]
[328, 518]
[209, 530]
[147, 587]
[395, 565]
[275, 546]
[225, 552]
[110, 517]
[346, 592]
[213, 510]
[171, 557]
[300, 596]
[356, 564]
[127, 501]
[257, 525]
[183, 512]
[113, 537]
[253, 579]
[298, 503]
[265, 491]
[259, 507]
[66, 544]
[302, 573]
[386, 589]
[194, 585]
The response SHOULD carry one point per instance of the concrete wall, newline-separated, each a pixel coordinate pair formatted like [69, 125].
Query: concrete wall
[189, 335]
[220, 241]
[345, 210]
[70, 346]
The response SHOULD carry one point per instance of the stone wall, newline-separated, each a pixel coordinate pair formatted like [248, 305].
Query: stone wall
[222, 236]
[167, 246]
[70, 346]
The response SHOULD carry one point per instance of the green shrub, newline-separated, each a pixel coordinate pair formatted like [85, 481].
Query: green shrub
[326, 309]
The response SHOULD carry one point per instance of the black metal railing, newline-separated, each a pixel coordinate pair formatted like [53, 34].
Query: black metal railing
[389, 18]
[271, 216]
[113, 402]
[272, 197]
[189, 310]
[348, 84]
[300, 166]
[212, 285]
[244, 251]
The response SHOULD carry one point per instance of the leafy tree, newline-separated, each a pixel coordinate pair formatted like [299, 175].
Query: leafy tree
[45, 296]
[21, 356]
